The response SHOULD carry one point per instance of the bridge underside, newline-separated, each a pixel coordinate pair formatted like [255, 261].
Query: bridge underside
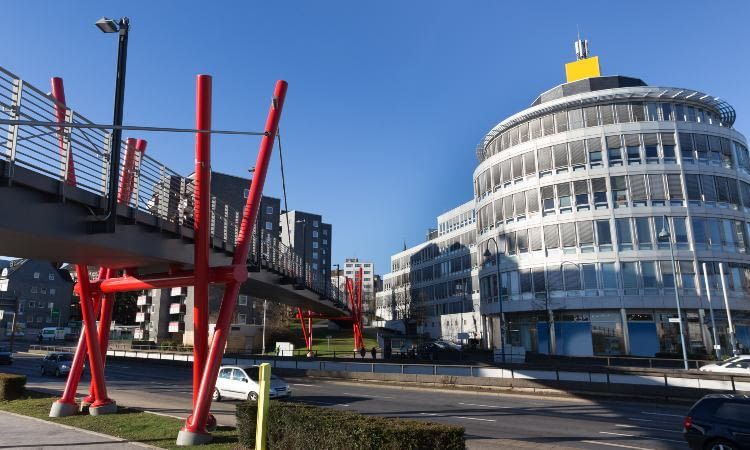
[42, 218]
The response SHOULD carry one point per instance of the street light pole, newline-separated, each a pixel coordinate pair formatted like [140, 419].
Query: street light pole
[499, 297]
[664, 234]
[122, 27]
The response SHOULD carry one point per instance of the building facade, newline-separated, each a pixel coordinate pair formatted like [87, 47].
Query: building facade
[586, 192]
[39, 291]
[433, 287]
[310, 238]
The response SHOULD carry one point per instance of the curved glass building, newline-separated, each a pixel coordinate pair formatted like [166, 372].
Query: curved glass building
[587, 192]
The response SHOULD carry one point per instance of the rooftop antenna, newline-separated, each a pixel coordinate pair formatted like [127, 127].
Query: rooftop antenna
[582, 47]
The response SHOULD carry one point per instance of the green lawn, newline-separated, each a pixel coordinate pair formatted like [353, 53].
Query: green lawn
[128, 423]
[341, 340]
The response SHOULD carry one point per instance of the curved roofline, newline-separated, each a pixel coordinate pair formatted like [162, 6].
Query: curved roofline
[723, 109]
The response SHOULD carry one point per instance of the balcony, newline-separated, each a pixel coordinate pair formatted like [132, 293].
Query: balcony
[176, 308]
[176, 327]
[142, 317]
[178, 291]
[143, 300]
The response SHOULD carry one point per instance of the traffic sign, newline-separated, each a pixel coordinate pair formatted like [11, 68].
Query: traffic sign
[674, 320]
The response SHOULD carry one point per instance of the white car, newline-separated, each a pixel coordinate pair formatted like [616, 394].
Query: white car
[242, 383]
[739, 365]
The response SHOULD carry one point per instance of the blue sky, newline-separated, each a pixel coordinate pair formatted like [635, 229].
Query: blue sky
[386, 100]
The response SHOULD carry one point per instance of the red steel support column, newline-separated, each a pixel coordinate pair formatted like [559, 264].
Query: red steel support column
[67, 403]
[58, 93]
[92, 342]
[309, 331]
[202, 227]
[194, 431]
[126, 181]
[302, 324]
[99, 305]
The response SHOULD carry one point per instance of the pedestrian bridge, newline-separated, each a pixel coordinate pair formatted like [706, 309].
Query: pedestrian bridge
[53, 189]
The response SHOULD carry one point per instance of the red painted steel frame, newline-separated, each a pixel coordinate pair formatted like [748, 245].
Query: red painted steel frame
[76, 367]
[202, 227]
[308, 337]
[129, 283]
[58, 93]
[196, 423]
[92, 342]
[133, 149]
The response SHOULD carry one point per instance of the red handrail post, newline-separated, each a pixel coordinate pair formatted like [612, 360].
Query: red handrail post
[194, 431]
[58, 93]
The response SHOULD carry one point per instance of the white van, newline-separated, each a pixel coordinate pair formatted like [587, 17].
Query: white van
[51, 334]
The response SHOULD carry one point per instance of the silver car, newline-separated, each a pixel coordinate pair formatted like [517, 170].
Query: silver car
[242, 383]
[58, 363]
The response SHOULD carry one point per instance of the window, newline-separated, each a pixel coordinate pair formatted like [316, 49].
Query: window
[548, 201]
[561, 157]
[581, 192]
[643, 231]
[34, 289]
[315, 224]
[51, 291]
[586, 236]
[603, 234]
[36, 275]
[241, 318]
[599, 190]
[563, 197]
[624, 237]
[609, 276]
[32, 304]
[666, 111]
[668, 147]
[242, 300]
[594, 146]
[614, 150]
[633, 148]
[630, 277]
[619, 191]
[667, 274]
[590, 116]
[315, 244]
[315, 255]
[589, 277]
[648, 271]
[51, 277]
[315, 233]
[245, 193]
[269, 226]
[637, 189]
[687, 276]
[43, 290]
[269, 209]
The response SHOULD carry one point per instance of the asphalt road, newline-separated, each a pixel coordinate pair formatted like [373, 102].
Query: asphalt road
[491, 420]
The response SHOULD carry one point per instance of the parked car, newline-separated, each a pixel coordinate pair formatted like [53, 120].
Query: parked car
[718, 422]
[6, 357]
[739, 365]
[57, 363]
[242, 383]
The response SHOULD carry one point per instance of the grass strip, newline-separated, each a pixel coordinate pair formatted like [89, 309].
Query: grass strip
[129, 423]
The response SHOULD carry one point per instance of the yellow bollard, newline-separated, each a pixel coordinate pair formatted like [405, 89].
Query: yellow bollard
[261, 427]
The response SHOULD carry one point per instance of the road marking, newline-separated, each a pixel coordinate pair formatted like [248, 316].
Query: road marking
[647, 428]
[305, 385]
[616, 445]
[484, 406]
[640, 436]
[475, 418]
[641, 420]
[662, 414]
[428, 414]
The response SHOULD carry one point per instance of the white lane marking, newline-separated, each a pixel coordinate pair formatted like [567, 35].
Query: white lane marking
[484, 406]
[428, 414]
[662, 414]
[641, 420]
[305, 385]
[610, 444]
[647, 428]
[640, 437]
[475, 418]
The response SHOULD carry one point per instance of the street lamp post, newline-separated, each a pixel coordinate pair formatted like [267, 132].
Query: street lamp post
[664, 234]
[487, 254]
[122, 27]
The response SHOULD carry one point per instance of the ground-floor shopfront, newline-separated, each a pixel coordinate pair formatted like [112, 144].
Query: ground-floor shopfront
[642, 332]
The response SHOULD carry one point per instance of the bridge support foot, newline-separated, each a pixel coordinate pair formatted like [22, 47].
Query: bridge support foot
[110, 407]
[186, 437]
[63, 409]
[211, 423]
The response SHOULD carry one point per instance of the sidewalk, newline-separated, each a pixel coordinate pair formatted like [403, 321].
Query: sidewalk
[30, 433]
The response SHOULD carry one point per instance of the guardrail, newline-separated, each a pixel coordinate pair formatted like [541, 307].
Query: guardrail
[50, 150]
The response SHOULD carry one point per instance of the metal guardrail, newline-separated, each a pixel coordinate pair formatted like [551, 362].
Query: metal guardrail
[157, 190]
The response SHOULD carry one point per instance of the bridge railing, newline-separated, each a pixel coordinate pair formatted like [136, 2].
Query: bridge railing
[80, 156]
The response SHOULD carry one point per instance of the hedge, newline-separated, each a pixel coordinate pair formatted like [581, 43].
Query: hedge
[296, 425]
[12, 386]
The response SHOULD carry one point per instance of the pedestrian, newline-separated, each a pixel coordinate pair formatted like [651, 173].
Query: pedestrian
[374, 353]
[362, 352]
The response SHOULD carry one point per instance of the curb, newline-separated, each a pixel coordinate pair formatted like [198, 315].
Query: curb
[93, 433]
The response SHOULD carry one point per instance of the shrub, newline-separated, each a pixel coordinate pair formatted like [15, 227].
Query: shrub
[296, 425]
[12, 386]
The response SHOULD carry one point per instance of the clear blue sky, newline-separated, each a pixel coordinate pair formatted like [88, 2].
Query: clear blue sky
[387, 99]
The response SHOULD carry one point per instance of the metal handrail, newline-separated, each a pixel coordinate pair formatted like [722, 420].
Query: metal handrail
[157, 189]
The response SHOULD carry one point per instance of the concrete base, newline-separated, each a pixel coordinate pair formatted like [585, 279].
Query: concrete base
[60, 409]
[185, 437]
[106, 408]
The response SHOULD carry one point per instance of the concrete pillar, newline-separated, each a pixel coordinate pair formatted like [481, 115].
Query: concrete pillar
[625, 331]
